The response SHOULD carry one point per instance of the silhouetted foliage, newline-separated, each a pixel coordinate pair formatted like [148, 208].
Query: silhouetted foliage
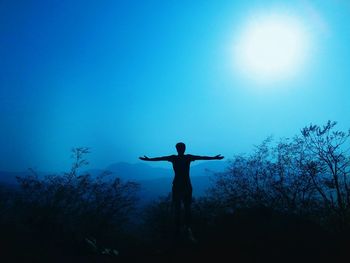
[266, 207]
[330, 167]
[72, 208]
[306, 175]
[158, 219]
[287, 201]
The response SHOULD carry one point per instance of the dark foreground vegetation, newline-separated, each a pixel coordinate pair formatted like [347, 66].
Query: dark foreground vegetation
[288, 201]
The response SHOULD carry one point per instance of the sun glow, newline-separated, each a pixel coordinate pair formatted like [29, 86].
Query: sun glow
[271, 47]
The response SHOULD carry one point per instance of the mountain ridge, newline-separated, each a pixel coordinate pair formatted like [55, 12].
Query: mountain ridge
[153, 181]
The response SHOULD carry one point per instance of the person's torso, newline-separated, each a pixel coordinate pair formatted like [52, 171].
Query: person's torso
[181, 166]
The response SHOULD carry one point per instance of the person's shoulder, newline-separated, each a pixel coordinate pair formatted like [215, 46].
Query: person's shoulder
[189, 156]
[172, 157]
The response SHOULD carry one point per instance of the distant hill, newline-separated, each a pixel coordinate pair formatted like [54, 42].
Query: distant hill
[10, 177]
[157, 181]
[154, 181]
[138, 171]
[152, 189]
[144, 171]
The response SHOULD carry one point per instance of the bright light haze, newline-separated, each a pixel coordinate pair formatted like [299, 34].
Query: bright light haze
[272, 47]
[133, 78]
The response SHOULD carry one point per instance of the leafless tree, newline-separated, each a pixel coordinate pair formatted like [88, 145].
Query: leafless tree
[329, 168]
[77, 203]
[306, 175]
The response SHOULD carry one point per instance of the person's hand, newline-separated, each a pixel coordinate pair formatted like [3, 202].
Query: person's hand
[144, 158]
[219, 157]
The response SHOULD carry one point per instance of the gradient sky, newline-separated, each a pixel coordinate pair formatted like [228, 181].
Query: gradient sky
[128, 78]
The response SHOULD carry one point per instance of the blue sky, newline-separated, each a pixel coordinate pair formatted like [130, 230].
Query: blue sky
[129, 78]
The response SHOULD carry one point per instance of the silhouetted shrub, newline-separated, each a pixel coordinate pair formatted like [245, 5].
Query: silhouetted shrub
[307, 175]
[69, 208]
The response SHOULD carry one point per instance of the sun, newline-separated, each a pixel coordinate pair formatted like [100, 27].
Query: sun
[271, 47]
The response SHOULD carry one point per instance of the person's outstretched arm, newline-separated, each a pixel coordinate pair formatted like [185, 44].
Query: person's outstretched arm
[216, 157]
[163, 158]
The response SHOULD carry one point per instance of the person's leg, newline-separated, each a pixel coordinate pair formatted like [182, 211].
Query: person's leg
[188, 216]
[187, 207]
[176, 203]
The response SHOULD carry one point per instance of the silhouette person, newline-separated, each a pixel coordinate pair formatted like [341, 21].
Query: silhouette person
[182, 188]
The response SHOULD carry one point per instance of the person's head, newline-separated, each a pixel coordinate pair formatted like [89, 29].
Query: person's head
[180, 147]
